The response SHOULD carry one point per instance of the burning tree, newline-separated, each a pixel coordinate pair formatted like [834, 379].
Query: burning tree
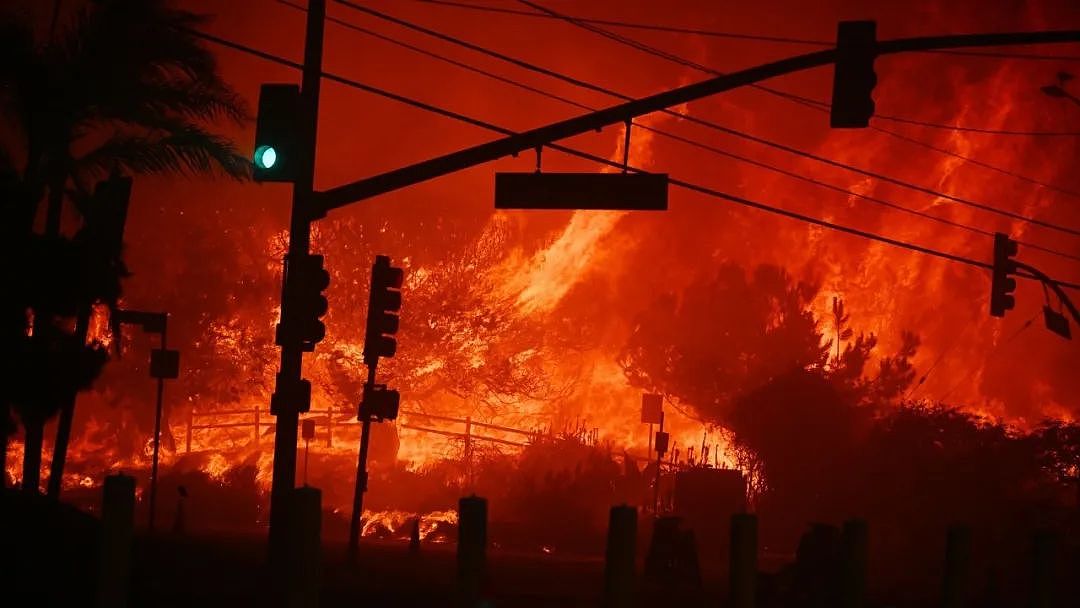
[124, 86]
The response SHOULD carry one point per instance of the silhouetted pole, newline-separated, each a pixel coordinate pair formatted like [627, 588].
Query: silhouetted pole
[957, 567]
[305, 511]
[853, 558]
[660, 449]
[117, 532]
[1044, 546]
[742, 567]
[157, 435]
[284, 472]
[361, 477]
[471, 548]
[620, 558]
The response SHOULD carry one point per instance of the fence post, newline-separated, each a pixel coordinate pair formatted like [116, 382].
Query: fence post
[620, 557]
[257, 426]
[1042, 576]
[305, 514]
[472, 548]
[191, 421]
[117, 532]
[330, 426]
[957, 566]
[853, 563]
[743, 561]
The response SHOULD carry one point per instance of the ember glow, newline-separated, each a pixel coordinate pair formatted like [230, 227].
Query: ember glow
[516, 321]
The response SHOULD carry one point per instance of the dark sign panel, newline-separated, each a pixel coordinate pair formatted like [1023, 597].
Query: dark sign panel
[587, 191]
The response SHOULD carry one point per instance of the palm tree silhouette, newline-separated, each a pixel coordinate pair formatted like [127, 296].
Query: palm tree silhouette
[123, 87]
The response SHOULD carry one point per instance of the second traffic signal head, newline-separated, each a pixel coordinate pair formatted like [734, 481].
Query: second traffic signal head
[277, 139]
[854, 79]
[384, 303]
[305, 282]
[1002, 284]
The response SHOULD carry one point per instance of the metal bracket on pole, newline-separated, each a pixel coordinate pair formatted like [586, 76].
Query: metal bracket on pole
[626, 146]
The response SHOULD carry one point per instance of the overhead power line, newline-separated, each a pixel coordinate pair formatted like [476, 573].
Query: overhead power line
[674, 137]
[734, 132]
[810, 103]
[733, 35]
[601, 160]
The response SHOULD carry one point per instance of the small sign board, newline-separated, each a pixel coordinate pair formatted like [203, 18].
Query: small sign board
[587, 191]
[307, 429]
[652, 407]
[661, 444]
[165, 364]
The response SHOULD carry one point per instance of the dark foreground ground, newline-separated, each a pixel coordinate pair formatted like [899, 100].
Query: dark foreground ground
[50, 559]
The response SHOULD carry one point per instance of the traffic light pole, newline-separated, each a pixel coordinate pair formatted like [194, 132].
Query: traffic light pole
[361, 477]
[512, 144]
[285, 437]
[1052, 284]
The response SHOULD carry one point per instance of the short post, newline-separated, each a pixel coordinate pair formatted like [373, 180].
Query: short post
[257, 425]
[1044, 546]
[330, 427]
[472, 547]
[305, 511]
[190, 423]
[743, 561]
[117, 532]
[853, 559]
[620, 558]
[957, 567]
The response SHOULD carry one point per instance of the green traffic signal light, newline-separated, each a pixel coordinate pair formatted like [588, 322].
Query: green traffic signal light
[265, 157]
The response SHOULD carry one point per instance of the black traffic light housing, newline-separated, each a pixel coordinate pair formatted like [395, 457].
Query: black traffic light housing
[384, 302]
[1002, 284]
[107, 215]
[291, 395]
[277, 134]
[854, 79]
[305, 303]
[379, 403]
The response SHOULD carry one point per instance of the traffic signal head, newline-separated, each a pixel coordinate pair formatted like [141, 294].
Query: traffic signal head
[107, 215]
[854, 79]
[1002, 284]
[305, 303]
[384, 303]
[379, 403]
[290, 395]
[277, 137]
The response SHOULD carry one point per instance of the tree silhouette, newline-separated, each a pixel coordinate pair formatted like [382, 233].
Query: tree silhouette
[123, 87]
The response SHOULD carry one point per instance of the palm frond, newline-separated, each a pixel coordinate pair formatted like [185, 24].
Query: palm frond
[185, 150]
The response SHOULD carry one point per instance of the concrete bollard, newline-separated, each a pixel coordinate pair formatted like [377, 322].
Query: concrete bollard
[743, 561]
[853, 560]
[117, 534]
[305, 551]
[1044, 546]
[620, 558]
[472, 548]
[957, 567]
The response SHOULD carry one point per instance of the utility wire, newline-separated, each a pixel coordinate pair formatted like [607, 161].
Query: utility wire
[681, 139]
[709, 124]
[804, 101]
[601, 160]
[733, 35]
[1007, 341]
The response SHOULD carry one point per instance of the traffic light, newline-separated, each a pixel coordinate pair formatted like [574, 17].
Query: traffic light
[854, 79]
[277, 137]
[290, 395]
[107, 214]
[1003, 285]
[305, 303]
[379, 403]
[383, 304]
